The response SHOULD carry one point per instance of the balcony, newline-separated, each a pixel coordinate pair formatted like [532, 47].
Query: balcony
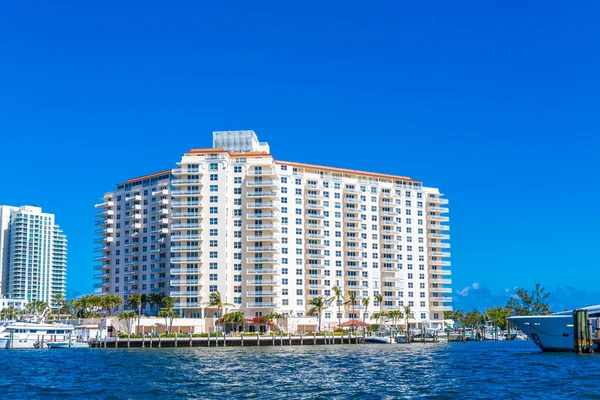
[441, 308]
[101, 258]
[356, 268]
[315, 226]
[263, 238]
[263, 205]
[355, 258]
[160, 202]
[439, 236]
[262, 172]
[160, 230]
[266, 215]
[313, 256]
[352, 210]
[105, 204]
[316, 196]
[442, 210]
[104, 222]
[313, 215]
[265, 293]
[439, 254]
[354, 190]
[177, 249]
[316, 246]
[438, 245]
[98, 285]
[438, 218]
[440, 263]
[392, 298]
[188, 293]
[184, 271]
[254, 249]
[185, 282]
[266, 271]
[264, 194]
[180, 260]
[185, 182]
[437, 200]
[186, 306]
[186, 204]
[264, 260]
[442, 299]
[184, 193]
[441, 281]
[316, 286]
[179, 215]
[395, 278]
[354, 229]
[318, 276]
[184, 226]
[353, 200]
[438, 227]
[261, 305]
[105, 213]
[135, 197]
[440, 289]
[318, 206]
[444, 272]
[263, 183]
[353, 219]
[180, 238]
[261, 282]
[316, 236]
[262, 227]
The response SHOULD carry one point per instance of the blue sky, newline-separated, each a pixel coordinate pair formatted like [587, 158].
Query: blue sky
[495, 104]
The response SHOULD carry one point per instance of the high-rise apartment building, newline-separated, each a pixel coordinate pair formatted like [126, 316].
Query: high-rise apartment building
[272, 235]
[33, 255]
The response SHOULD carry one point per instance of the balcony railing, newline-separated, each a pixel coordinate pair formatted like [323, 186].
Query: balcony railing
[179, 238]
[438, 227]
[262, 227]
[254, 249]
[438, 218]
[266, 271]
[440, 263]
[265, 293]
[441, 281]
[440, 236]
[261, 305]
[265, 260]
[186, 226]
[261, 194]
[264, 238]
[263, 205]
[184, 271]
[185, 204]
[184, 182]
[444, 272]
[188, 293]
[178, 215]
[185, 282]
[442, 299]
[262, 282]
[178, 193]
[179, 260]
[439, 254]
[263, 183]
[438, 245]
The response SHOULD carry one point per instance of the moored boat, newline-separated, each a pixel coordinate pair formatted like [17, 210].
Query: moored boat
[29, 335]
[552, 332]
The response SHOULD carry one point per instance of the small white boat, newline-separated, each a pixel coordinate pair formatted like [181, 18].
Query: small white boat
[379, 338]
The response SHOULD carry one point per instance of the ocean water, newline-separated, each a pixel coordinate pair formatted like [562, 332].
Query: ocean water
[489, 370]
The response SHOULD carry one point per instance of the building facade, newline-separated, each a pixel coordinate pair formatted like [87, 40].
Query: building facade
[33, 250]
[271, 235]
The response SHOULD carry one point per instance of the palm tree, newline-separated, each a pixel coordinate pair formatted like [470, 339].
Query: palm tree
[407, 315]
[379, 298]
[168, 315]
[339, 297]
[378, 316]
[215, 301]
[236, 318]
[58, 303]
[275, 316]
[128, 316]
[136, 301]
[352, 301]
[395, 315]
[365, 302]
[168, 302]
[113, 301]
[318, 305]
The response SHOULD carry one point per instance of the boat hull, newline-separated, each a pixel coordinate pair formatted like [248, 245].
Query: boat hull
[549, 332]
[68, 345]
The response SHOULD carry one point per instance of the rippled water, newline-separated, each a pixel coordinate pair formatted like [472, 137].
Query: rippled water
[456, 370]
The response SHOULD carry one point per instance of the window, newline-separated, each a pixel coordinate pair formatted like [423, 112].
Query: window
[213, 277]
[214, 188]
[213, 167]
[237, 169]
[214, 177]
[214, 199]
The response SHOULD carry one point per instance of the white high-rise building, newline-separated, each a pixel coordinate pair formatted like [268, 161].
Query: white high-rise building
[271, 235]
[33, 254]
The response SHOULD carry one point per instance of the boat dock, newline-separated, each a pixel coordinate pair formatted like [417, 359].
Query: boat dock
[224, 341]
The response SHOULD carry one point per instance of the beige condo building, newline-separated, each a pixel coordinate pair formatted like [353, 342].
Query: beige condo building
[271, 235]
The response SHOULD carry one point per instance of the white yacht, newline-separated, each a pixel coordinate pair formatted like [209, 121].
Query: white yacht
[27, 335]
[553, 332]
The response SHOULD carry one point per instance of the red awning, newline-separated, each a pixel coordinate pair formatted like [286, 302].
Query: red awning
[355, 323]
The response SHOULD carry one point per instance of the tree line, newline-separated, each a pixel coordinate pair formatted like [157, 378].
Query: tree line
[523, 303]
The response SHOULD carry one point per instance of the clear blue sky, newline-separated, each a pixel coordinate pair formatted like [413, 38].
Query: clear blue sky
[498, 105]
